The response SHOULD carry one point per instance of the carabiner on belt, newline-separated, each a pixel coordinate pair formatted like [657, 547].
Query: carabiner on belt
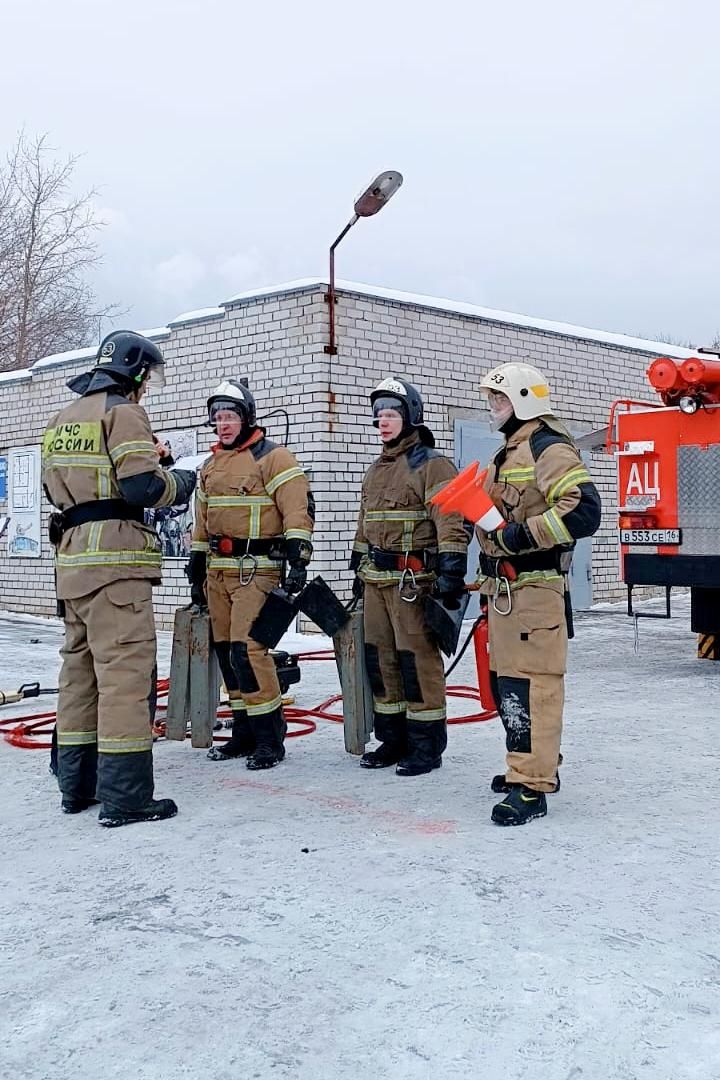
[502, 588]
[247, 559]
[408, 573]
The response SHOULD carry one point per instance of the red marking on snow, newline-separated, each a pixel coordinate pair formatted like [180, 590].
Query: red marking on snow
[427, 827]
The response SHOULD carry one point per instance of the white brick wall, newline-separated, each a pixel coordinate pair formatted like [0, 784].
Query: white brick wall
[277, 342]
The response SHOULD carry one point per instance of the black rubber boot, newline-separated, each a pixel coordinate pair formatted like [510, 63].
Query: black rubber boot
[125, 787]
[77, 773]
[391, 732]
[240, 744]
[76, 806]
[269, 732]
[155, 810]
[387, 754]
[521, 805]
[426, 742]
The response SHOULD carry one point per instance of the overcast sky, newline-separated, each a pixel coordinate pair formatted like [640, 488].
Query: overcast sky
[561, 159]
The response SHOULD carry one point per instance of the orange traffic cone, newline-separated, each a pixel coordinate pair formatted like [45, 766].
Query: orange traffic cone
[465, 494]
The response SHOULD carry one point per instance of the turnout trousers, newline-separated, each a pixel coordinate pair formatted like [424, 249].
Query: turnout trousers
[105, 692]
[404, 664]
[528, 655]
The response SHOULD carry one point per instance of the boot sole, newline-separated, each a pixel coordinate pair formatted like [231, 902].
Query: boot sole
[262, 766]
[228, 757]
[377, 764]
[418, 772]
[116, 823]
[517, 821]
[70, 809]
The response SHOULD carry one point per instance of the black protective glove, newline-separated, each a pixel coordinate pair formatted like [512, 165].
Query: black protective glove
[186, 480]
[513, 538]
[297, 553]
[450, 588]
[450, 581]
[358, 588]
[196, 572]
[296, 578]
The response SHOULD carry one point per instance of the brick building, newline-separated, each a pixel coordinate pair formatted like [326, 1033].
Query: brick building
[277, 337]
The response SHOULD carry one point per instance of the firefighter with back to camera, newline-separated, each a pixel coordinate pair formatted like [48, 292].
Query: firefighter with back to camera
[100, 470]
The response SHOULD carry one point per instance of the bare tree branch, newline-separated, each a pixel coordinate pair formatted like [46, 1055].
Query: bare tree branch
[48, 242]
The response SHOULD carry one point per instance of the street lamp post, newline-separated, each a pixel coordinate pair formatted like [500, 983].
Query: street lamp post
[373, 198]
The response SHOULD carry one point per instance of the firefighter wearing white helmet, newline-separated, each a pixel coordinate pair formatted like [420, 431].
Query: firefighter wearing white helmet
[538, 482]
[254, 515]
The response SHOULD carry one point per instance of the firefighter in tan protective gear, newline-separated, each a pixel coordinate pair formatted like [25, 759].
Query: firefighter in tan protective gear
[100, 469]
[254, 513]
[548, 501]
[404, 549]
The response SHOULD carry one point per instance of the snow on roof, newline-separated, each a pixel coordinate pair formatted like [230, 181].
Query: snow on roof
[458, 307]
[15, 375]
[435, 303]
[90, 351]
[201, 315]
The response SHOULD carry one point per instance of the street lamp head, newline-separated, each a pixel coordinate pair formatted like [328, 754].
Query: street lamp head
[377, 193]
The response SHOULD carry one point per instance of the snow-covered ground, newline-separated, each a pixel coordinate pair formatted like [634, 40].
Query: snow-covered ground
[321, 922]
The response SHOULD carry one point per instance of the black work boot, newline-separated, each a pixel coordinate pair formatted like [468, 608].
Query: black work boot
[500, 785]
[426, 742]
[71, 805]
[521, 805]
[154, 810]
[240, 744]
[269, 732]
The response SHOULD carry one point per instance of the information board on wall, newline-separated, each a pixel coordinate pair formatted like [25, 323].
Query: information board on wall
[24, 529]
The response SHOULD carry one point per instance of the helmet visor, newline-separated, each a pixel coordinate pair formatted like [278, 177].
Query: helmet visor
[225, 405]
[393, 403]
[156, 375]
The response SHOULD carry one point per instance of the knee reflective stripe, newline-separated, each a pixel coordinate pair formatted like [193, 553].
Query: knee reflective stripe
[372, 663]
[246, 681]
[222, 651]
[389, 708]
[264, 707]
[124, 746]
[408, 672]
[76, 738]
[427, 715]
[514, 711]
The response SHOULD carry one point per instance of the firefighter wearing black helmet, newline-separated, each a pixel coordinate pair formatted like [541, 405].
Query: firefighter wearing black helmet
[254, 512]
[403, 549]
[100, 469]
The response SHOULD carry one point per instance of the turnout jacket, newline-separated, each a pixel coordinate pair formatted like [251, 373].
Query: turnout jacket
[101, 447]
[254, 492]
[538, 478]
[396, 514]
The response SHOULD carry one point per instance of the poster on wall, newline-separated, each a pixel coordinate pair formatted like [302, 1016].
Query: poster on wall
[174, 524]
[3, 478]
[24, 503]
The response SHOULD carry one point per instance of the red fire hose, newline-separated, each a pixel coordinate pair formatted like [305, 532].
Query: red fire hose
[27, 732]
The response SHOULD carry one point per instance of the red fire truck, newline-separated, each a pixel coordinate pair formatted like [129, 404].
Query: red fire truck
[668, 456]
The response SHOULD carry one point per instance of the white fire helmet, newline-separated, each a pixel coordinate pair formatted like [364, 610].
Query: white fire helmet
[525, 386]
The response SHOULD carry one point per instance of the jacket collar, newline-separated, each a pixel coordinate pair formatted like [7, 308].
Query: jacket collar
[390, 453]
